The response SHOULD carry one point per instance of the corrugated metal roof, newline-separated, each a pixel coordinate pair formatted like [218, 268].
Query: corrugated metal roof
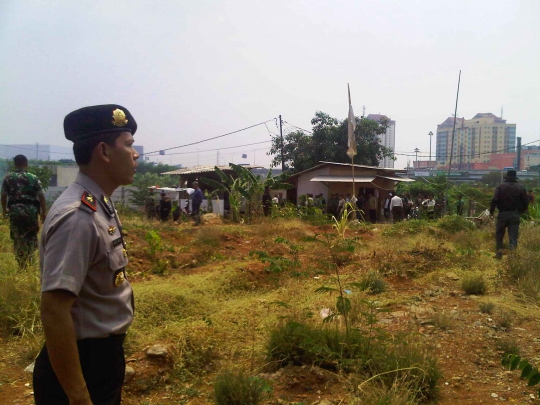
[396, 178]
[343, 179]
[207, 169]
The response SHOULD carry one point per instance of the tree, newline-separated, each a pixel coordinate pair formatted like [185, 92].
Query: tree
[329, 143]
[141, 184]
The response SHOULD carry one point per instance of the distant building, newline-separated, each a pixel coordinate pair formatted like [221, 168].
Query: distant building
[475, 142]
[388, 139]
[45, 152]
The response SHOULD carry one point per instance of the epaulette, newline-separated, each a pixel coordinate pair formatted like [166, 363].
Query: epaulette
[89, 200]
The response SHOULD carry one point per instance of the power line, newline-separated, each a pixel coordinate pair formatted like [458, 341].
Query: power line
[213, 150]
[305, 130]
[35, 150]
[209, 139]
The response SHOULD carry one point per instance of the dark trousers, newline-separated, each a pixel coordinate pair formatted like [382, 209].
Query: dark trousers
[103, 367]
[196, 211]
[373, 216]
[510, 220]
[397, 214]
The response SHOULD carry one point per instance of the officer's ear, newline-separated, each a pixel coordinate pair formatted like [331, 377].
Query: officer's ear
[103, 152]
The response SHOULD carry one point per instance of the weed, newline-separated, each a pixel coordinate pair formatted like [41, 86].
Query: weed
[486, 307]
[442, 321]
[373, 283]
[504, 319]
[154, 244]
[238, 388]
[280, 264]
[19, 302]
[474, 284]
[508, 346]
[209, 236]
[406, 228]
[455, 224]
[524, 267]
[379, 394]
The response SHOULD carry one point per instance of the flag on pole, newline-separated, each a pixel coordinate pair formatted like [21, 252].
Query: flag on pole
[351, 152]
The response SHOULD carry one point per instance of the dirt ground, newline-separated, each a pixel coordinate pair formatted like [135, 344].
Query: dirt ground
[466, 343]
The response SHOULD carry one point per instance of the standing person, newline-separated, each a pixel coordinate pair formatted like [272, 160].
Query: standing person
[396, 206]
[386, 205]
[150, 205]
[472, 207]
[460, 204]
[372, 205]
[196, 201]
[267, 202]
[511, 199]
[23, 201]
[281, 200]
[165, 207]
[341, 205]
[361, 204]
[430, 205]
[86, 300]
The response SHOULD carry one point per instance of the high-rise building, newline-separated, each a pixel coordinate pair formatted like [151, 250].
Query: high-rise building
[475, 140]
[388, 139]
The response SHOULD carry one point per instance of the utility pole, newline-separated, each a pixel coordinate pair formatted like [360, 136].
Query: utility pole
[430, 136]
[281, 135]
[416, 150]
[217, 162]
[518, 156]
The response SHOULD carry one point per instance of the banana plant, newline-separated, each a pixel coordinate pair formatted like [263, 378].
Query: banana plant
[247, 185]
[231, 185]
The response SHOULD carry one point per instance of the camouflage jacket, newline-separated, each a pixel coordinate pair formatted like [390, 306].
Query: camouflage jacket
[22, 190]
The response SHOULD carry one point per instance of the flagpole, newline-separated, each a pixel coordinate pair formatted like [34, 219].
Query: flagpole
[352, 156]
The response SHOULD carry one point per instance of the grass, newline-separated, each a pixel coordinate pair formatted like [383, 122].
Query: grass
[238, 388]
[474, 284]
[373, 283]
[223, 310]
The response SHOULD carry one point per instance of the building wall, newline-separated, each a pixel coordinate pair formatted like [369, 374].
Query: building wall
[475, 140]
[314, 187]
[388, 139]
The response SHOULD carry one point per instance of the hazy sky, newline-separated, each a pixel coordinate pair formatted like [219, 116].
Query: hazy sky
[190, 70]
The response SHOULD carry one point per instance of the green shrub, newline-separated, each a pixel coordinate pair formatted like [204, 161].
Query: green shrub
[442, 321]
[299, 344]
[410, 364]
[396, 395]
[508, 346]
[406, 228]
[373, 282]
[487, 307]
[474, 284]
[523, 267]
[237, 388]
[455, 223]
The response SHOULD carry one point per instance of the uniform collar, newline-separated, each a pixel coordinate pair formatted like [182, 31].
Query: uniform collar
[89, 185]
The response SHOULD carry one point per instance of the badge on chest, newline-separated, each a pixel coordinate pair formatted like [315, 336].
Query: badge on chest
[119, 277]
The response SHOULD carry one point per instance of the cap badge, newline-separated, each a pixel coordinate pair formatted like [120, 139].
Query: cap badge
[112, 229]
[119, 118]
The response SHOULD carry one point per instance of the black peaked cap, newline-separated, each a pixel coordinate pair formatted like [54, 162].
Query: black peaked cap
[85, 123]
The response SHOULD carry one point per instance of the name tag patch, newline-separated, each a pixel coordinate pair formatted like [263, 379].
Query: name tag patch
[117, 241]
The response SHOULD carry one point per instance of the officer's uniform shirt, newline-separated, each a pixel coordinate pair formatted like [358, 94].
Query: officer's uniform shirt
[82, 251]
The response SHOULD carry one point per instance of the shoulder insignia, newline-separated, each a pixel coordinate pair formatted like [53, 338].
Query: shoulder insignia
[108, 205]
[89, 200]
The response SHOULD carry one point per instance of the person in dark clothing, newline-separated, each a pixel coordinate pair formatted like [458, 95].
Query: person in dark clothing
[196, 201]
[165, 206]
[511, 199]
[267, 202]
[459, 205]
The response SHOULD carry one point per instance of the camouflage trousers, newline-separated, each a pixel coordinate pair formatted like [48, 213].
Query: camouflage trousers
[24, 233]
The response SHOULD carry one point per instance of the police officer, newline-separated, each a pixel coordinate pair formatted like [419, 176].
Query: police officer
[86, 300]
[23, 200]
[511, 199]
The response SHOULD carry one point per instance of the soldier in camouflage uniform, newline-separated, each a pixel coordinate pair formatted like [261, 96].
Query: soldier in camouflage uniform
[23, 201]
